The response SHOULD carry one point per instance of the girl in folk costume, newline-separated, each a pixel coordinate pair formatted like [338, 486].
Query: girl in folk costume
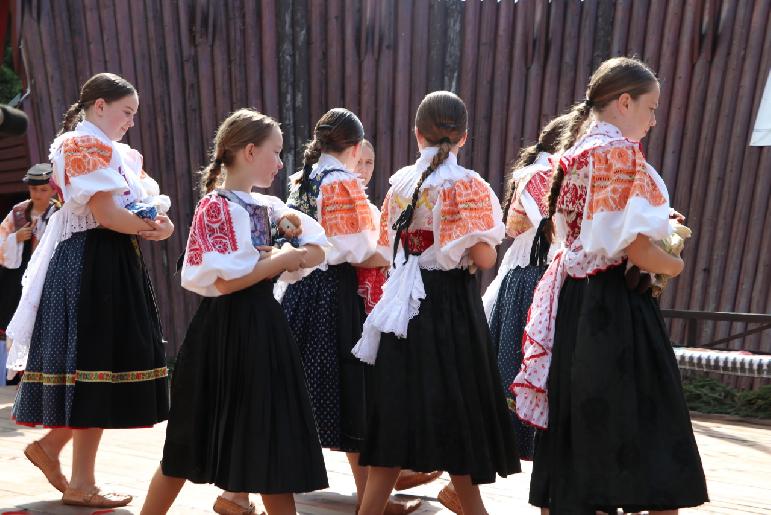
[436, 399]
[371, 281]
[324, 309]
[507, 299]
[96, 357]
[20, 233]
[240, 415]
[599, 373]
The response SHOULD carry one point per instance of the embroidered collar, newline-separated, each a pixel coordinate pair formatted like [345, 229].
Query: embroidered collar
[599, 134]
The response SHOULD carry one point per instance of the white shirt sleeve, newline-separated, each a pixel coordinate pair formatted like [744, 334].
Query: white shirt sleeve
[626, 198]
[219, 246]
[10, 249]
[466, 213]
[87, 166]
[347, 217]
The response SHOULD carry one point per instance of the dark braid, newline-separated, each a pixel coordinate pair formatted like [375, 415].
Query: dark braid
[210, 176]
[405, 217]
[71, 118]
[548, 141]
[311, 156]
[576, 119]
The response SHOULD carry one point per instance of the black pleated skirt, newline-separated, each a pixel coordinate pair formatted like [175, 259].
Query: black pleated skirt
[436, 397]
[96, 357]
[240, 415]
[619, 431]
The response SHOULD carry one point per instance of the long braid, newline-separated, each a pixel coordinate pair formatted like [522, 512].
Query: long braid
[526, 157]
[71, 118]
[577, 119]
[311, 156]
[210, 177]
[405, 217]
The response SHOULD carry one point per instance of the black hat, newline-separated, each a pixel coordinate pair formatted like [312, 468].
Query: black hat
[38, 175]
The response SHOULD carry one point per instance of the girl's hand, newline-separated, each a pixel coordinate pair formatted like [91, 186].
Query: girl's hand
[160, 229]
[677, 267]
[291, 258]
[676, 215]
[24, 234]
[265, 251]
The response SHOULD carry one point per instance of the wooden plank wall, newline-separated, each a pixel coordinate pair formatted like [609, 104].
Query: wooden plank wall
[516, 64]
[14, 162]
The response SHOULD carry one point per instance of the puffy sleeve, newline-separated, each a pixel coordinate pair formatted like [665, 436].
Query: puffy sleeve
[347, 218]
[626, 197]
[529, 203]
[10, 249]
[219, 246]
[152, 193]
[83, 167]
[467, 212]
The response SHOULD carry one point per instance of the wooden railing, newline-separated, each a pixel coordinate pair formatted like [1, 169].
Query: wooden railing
[692, 318]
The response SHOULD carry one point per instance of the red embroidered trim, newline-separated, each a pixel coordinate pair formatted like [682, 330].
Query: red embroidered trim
[538, 187]
[417, 241]
[212, 230]
[371, 281]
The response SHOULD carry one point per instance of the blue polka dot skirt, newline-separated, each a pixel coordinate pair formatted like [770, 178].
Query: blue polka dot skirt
[507, 324]
[96, 356]
[326, 315]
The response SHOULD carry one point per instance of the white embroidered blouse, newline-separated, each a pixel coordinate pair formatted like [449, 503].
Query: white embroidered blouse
[609, 195]
[456, 209]
[85, 161]
[224, 235]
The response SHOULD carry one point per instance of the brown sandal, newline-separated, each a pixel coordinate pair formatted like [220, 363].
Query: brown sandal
[398, 507]
[48, 466]
[401, 507]
[94, 499]
[227, 507]
[449, 499]
[410, 479]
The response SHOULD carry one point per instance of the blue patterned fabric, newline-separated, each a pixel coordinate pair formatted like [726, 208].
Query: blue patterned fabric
[53, 349]
[507, 324]
[310, 307]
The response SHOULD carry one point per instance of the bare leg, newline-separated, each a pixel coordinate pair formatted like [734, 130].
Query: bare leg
[161, 494]
[279, 504]
[380, 482]
[54, 441]
[544, 511]
[359, 475]
[85, 443]
[469, 495]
